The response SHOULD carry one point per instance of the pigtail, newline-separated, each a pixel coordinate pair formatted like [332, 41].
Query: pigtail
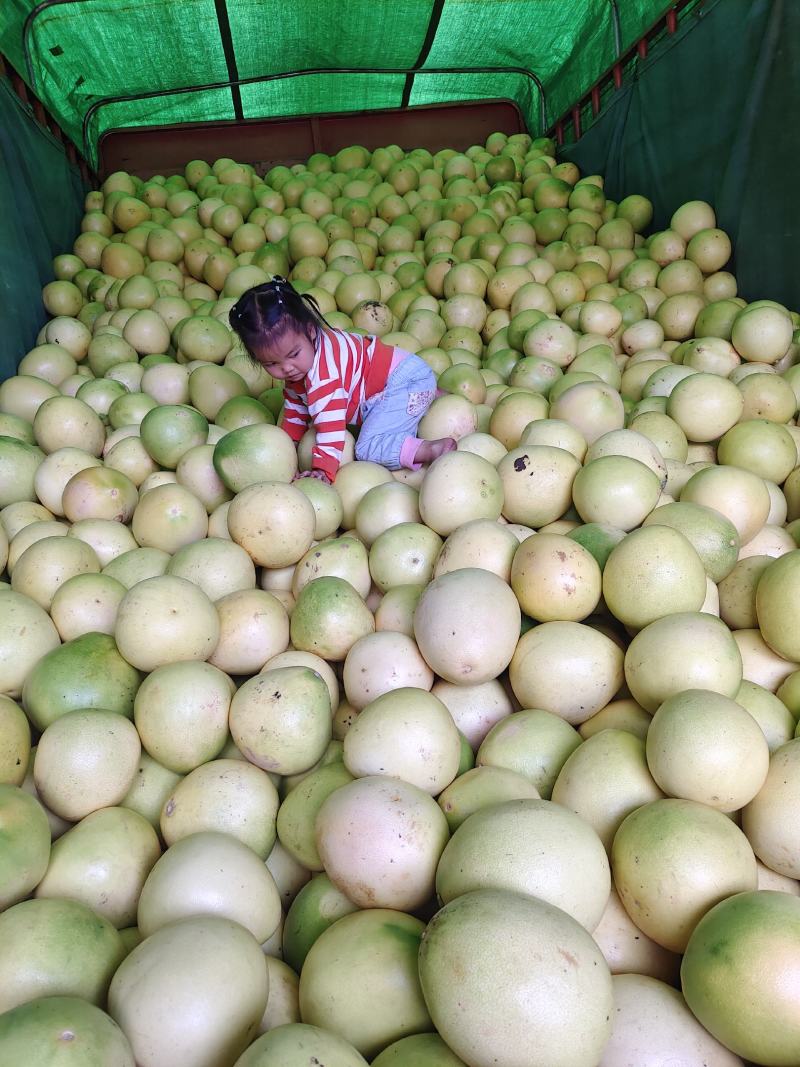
[270, 309]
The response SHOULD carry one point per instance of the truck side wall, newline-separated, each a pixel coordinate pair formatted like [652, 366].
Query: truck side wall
[712, 115]
[41, 194]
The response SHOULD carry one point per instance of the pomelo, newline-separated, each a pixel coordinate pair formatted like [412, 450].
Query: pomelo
[534, 743]
[406, 832]
[85, 760]
[329, 617]
[24, 844]
[26, 635]
[206, 969]
[772, 835]
[56, 948]
[704, 746]
[378, 949]
[604, 780]
[481, 949]
[298, 1044]
[62, 1029]
[739, 976]
[672, 861]
[210, 873]
[281, 719]
[446, 632]
[103, 861]
[533, 847]
[408, 734]
[318, 904]
[653, 1025]
[164, 619]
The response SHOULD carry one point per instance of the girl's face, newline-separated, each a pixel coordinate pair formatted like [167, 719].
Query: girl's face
[289, 357]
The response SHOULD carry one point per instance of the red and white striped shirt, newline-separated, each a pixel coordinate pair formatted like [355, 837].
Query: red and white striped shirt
[347, 369]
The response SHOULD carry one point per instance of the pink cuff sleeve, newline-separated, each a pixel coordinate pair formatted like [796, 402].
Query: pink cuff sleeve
[408, 451]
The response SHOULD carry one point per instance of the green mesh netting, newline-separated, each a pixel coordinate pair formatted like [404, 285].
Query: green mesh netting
[82, 56]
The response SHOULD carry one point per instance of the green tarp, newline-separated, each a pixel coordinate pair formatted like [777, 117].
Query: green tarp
[82, 55]
[713, 116]
[42, 197]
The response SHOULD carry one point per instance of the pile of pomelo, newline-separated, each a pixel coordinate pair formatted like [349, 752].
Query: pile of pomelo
[493, 763]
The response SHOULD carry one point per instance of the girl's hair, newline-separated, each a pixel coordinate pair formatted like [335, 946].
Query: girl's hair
[268, 310]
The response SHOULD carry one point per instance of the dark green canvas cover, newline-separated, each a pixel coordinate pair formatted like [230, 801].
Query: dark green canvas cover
[85, 57]
[42, 197]
[712, 115]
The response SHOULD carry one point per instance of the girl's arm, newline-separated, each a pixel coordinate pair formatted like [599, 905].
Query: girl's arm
[296, 418]
[327, 404]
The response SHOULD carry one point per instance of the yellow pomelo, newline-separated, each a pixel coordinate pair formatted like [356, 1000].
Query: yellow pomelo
[533, 847]
[445, 627]
[686, 650]
[627, 950]
[704, 746]
[653, 572]
[408, 734]
[210, 873]
[165, 619]
[605, 779]
[567, 668]
[768, 821]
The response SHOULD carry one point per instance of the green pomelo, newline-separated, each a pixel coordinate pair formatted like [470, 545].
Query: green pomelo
[597, 538]
[56, 948]
[170, 430]
[482, 787]
[376, 952]
[298, 812]
[259, 452]
[532, 742]
[673, 860]
[87, 672]
[329, 617]
[24, 844]
[62, 1032]
[740, 976]
[316, 907]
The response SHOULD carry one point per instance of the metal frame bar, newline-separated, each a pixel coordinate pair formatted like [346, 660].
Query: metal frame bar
[264, 78]
[425, 50]
[615, 73]
[224, 26]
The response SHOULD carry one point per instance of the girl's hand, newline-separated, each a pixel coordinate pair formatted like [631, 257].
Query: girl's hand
[313, 474]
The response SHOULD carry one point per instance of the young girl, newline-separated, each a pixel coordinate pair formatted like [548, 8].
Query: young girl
[335, 379]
